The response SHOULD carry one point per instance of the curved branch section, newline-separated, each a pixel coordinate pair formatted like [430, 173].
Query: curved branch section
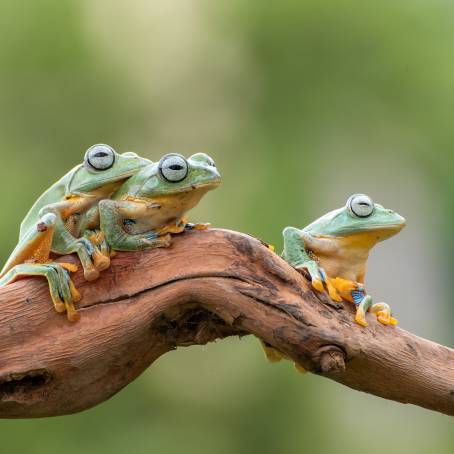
[207, 285]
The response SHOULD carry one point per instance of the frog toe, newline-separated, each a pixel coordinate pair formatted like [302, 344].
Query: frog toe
[361, 320]
[153, 240]
[100, 250]
[272, 354]
[300, 368]
[386, 318]
[75, 295]
[318, 285]
[66, 291]
[317, 275]
[69, 266]
[383, 314]
[202, 226]
[332, 291]
[101, 261]
[91, 274]
[164, 241]
[59, 305]
[72, 315]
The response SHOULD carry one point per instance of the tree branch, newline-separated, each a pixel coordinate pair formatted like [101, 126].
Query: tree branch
[207, 285]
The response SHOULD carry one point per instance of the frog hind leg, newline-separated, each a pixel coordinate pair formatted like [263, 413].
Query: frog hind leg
[383, 313]
[62, 290]
[31, 258]
[272, 354]
[362, 302]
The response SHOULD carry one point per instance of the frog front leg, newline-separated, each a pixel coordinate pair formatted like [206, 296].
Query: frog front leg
[116, 214]
[63, 242]
[296, 255]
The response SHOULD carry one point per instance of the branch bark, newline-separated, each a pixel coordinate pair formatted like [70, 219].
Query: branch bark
[207, 285]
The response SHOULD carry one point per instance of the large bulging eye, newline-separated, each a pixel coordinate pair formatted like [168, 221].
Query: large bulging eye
[360, 205]
[173, 167]
[100, 157]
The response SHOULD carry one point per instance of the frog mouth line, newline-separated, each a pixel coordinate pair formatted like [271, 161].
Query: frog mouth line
[211, 184]
[385, 227]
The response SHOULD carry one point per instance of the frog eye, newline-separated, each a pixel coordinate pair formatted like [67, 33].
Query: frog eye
[360, 205]
[99, 157]
[173, 167]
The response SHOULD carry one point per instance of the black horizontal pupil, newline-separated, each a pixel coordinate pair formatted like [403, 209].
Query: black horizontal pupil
[363, 204]
[101, 154]
[175, 167]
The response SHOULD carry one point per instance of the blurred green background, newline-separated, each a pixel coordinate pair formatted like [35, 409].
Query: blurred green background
[301, 103]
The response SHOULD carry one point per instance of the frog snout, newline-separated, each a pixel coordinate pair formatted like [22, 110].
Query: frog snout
[396, 217]
[400, 220]
[212, 176]
[215, 174]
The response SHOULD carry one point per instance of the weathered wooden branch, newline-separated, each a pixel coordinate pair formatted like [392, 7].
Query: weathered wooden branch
[207, 285]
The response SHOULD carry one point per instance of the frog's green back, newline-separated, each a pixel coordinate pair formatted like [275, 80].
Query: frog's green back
[83, 179]
[53, 194]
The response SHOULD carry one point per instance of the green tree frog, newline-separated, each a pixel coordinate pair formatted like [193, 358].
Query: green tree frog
[334, 251]
[148, 203]
[152, 204]
[57, 220]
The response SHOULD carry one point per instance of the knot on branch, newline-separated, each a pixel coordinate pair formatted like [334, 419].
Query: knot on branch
[330, 359]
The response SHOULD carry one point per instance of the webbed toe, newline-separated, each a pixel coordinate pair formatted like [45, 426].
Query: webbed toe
[361, 320]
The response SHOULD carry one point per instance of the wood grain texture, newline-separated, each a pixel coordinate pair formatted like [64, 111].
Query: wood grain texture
[207, 285]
